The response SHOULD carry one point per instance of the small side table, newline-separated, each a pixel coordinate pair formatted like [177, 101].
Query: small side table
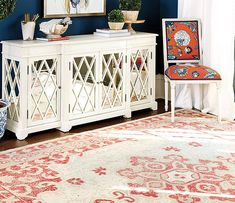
[129, 23]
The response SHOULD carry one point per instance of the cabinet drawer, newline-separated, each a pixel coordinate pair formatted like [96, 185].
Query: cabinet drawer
[33, 51]
[92, 47]
[44, 50]
[141, 42]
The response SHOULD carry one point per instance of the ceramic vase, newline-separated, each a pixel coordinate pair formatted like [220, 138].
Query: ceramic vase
[28, 30]
[3, 116]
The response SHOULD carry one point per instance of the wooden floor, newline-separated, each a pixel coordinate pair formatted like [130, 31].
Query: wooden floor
[9, 140]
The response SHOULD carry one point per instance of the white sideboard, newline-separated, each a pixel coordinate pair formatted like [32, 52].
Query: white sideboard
[67, 83]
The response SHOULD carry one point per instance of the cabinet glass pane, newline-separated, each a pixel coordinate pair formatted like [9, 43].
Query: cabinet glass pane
[139, 75]
[44, 90]
[11, 90]
[112, 80]
[84, 83]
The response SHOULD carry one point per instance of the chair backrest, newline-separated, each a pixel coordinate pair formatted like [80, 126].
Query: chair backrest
[181, 41]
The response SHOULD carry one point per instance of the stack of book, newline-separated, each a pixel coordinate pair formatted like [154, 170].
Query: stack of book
[53, 39]
[112, 33]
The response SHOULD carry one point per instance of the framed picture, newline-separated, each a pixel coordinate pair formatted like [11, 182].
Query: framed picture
[63, 8]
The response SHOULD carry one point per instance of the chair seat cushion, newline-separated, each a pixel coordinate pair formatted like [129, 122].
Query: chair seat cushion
[191, 72]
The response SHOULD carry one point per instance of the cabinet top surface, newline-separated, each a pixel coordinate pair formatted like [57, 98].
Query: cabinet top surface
[76, 39]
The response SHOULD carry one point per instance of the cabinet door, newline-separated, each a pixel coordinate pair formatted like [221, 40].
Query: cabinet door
[44, 90]
[11, 87]
[84, 91]
[140, 63]
[112, 81]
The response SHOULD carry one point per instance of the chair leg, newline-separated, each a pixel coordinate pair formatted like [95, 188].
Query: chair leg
[172, 102]
[218, 85]
[166, 95]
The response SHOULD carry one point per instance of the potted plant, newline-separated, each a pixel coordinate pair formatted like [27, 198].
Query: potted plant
[130, 9]
[116, 20]
[6, 8]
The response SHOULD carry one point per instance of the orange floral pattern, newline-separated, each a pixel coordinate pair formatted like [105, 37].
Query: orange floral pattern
[182, 40]
[191, 72]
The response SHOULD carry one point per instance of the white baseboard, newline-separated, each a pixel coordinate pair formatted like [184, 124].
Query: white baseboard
[160, 87]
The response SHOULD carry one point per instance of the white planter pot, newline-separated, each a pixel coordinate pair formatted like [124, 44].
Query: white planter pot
[115, 26]
[131, 15]
[125, 14]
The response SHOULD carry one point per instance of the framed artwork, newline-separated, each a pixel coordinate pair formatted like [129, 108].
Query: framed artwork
[72, 8]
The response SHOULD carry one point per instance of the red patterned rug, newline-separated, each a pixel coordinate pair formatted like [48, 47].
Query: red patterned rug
[144, 161]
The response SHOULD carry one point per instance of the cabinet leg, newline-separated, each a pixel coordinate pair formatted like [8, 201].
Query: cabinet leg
[65, 127]
[128, 114]
[21, 134]
[154, 106]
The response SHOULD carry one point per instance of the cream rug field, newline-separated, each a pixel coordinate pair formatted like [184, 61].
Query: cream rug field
[144, 161]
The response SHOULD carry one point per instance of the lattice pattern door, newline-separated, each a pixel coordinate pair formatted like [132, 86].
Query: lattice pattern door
[11, 88]
[112, 81]
[84, 85]
[140, 78]
[44, 90]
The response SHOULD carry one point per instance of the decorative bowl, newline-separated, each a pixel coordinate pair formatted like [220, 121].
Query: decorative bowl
[58, 31]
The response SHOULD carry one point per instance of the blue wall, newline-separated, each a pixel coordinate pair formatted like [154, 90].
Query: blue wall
[152, 11]
[10, 27]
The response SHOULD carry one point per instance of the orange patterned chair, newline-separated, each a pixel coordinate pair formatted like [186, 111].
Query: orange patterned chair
[181, 40]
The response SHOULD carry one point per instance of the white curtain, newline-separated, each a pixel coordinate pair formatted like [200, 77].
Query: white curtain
[218, 33]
